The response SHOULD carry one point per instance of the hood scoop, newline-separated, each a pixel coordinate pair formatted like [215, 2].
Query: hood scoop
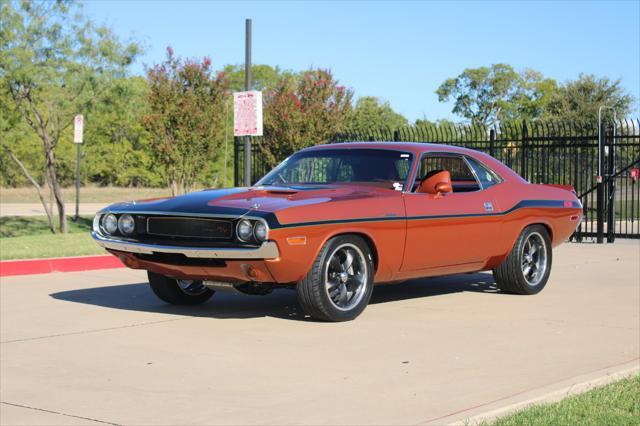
[275, 191]
[280, 191]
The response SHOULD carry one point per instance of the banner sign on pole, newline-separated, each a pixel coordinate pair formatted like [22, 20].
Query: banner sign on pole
[78, 127]
[247, 113]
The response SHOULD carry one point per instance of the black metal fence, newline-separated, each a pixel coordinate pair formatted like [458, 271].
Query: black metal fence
[600, 163]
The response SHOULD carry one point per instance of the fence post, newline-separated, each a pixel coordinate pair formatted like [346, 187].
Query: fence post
[492, 139]
[396, 135]
[576, 186]
[611, 186]
[600, 188]
[523, 154]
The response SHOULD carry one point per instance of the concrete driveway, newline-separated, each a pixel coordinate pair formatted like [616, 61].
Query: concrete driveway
[98, 347]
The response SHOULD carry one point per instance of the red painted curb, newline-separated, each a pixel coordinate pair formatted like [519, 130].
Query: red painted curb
[58, 264]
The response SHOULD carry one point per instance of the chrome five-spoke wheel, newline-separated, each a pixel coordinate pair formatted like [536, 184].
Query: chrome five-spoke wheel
[191, 287]
[527, 267]
[534, 259]
[346, 276]
[177, 291]
[339, 285]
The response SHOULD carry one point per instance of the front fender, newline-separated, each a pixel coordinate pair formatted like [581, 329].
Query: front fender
[386, 236]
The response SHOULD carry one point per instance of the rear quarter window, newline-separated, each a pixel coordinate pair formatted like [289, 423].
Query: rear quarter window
[486, 176]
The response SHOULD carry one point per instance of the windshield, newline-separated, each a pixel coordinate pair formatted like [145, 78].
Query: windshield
[381, 167]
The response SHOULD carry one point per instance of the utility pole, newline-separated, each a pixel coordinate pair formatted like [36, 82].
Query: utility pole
[248, 83]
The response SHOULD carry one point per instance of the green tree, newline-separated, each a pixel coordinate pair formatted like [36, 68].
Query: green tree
[579, 100]
[301, 112]
[186, 118]
[117, 149]
[532, 96]
[372, 114]
[55, 63]
[264, 77]
[488, 95]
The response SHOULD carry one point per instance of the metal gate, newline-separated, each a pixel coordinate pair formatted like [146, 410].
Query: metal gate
[617, 189]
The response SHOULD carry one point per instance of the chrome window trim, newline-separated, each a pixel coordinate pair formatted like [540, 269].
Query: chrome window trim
[267, 250]
[473, 172]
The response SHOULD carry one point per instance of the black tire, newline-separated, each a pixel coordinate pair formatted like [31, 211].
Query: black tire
[512, 276]
[313, 290]
[170, 291]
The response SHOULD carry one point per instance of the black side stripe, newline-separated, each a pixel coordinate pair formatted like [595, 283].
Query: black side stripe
[274, 224]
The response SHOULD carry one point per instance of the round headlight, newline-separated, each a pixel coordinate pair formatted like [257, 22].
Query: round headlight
[110, 224]
[126, 224]
[244, 230]
[260, 231]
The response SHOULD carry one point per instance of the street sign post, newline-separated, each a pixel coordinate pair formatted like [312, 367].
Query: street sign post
[248, 85]
[78, 129]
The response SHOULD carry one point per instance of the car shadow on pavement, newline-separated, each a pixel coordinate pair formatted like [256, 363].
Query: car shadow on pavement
[279, 304]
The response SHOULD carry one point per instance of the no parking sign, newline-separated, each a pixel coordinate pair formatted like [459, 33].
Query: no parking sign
[78, 128]
[247, 113]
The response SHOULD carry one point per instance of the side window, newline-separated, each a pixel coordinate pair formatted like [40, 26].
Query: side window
[486, 176]
[462, 178]
[343, 171]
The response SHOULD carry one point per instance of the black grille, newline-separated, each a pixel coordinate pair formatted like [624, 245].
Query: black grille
[189, 227]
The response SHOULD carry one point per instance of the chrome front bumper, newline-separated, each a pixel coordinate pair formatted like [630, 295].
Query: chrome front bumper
[268, 249]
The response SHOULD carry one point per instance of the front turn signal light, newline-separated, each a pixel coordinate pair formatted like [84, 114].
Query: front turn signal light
[297, 241]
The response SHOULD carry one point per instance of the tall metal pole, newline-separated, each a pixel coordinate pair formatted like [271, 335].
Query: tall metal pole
[79, 156]
[600, 187]
[248, 83]
[226, 141]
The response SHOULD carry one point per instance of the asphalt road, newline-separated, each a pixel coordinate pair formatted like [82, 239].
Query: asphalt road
[98, 347]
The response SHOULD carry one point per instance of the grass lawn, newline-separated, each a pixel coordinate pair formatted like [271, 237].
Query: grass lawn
[614, 404]
[30, 238]
[88, 194]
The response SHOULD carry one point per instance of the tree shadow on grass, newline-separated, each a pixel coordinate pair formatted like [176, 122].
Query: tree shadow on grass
[279, 304]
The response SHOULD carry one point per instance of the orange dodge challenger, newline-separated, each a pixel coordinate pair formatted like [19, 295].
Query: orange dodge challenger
[334, 220]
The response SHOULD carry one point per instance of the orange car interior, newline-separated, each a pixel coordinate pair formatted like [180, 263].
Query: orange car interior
[436, 182]
[459, 176]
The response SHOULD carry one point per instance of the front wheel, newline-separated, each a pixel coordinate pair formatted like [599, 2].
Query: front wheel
[526, 270]
[340, 283]
[178, 292]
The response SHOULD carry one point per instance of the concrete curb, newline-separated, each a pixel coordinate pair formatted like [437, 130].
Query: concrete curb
[58, 264]
[551, 394]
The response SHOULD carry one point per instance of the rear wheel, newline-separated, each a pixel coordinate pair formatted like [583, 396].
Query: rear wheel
[178, 292]
[526, 270]
[340, 283]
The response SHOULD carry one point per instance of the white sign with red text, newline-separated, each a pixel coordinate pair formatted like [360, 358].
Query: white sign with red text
[78, 128]
[247, 113]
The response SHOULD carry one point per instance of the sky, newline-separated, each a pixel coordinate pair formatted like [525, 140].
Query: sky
[397, 51]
